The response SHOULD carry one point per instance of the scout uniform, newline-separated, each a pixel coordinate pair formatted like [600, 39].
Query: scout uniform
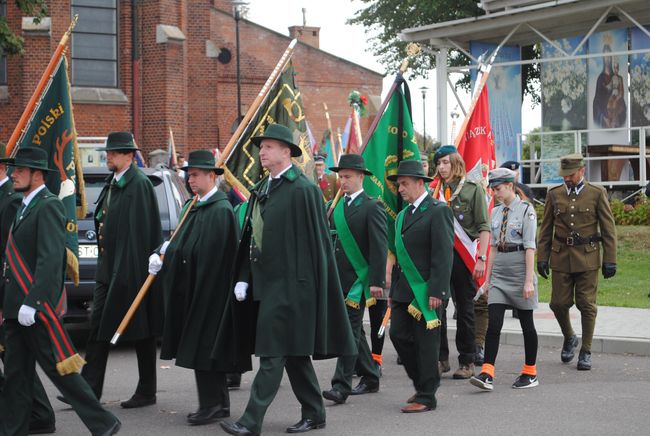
[42, 418]
[38, 238]
[513, 233]
[196, 280]
[469, 207]
[286, 257]
[576, 221]
[361, 248]
[128, 226]
[424, 239]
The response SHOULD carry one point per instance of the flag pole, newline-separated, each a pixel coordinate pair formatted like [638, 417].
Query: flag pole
[252, 110]
[335, 157]
[45, 78]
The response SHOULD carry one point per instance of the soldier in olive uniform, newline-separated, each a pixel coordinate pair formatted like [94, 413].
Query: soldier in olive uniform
[42, 419]
[577, 219]
[469, 207]
[361, 249]
[328, 183]
[424, 239]
[286, 258]
[129, 230]
[33, 301]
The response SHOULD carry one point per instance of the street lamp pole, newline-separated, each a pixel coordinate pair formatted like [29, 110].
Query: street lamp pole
[424, 90]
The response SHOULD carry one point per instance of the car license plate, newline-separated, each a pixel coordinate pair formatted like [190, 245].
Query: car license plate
[88, 251]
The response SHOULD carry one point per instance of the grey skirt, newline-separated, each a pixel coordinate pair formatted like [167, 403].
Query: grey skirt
[507, 281]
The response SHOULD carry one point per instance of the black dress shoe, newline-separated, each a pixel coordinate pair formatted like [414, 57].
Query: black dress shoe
[233, 380]
[569, 349]
[62, 399]
[138, 400]
[114, 429]
[363, 388]
[208, 415]
[334, 395]
[235, 428]
[41, 428]
[304, 425]
[584, 361]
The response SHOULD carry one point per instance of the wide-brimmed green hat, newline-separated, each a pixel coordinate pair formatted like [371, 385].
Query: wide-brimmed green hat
[571, 163]
[203, 159]
[30, 157]
[119, 141]
[410, 168]
[351, 162]
[442, 152]
[279, 133]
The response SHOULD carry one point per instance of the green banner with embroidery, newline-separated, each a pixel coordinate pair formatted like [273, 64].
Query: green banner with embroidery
[353, 253]
[420, 305]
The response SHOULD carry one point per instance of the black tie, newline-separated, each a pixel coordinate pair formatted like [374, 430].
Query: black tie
[21, 209]
[347, 198]
[410, 209]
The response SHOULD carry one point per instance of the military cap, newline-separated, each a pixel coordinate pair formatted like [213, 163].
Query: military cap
[352, 162]
[319, 158]
[442, 152]
[511, 165]
[279, 133]
[571, 163]
[410, 168]
[501, 175]
[30, 157]
[202, 159]
[119, 141]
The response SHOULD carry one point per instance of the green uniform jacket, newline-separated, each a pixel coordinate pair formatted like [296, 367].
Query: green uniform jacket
[587, 214]
[40, 239]
[366, 219]
[129, 231]
[196, 278]
[293, 280]
[470, 208]
[428, 236]
[9, 203]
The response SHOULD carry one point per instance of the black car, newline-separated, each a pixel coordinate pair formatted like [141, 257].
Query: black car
[171, 194]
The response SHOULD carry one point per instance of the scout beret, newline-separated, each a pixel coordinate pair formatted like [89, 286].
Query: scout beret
[442, 152]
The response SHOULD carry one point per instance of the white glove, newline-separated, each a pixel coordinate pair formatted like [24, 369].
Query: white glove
[155, 264]
[240, 291]
[26, 315]
[164, 246]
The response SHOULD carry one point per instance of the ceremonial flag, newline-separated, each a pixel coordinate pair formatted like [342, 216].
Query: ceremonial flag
[282, 105]
[312, 139]
[332, 156]
[346, 134]
[51, 127]
[392, 141]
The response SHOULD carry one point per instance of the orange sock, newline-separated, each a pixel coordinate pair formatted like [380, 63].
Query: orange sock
[488, 369]
[529, 370]
[377, 358]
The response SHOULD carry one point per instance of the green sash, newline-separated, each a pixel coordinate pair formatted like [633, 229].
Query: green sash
[420, 305]
[358, 262]
[241, 213]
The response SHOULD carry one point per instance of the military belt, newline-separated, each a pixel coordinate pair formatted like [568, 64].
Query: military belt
[575, 239]
[509, 248]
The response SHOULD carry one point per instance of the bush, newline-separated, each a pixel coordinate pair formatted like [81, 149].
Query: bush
[637, 216]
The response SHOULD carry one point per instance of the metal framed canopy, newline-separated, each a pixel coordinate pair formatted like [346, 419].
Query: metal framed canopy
[522, 23]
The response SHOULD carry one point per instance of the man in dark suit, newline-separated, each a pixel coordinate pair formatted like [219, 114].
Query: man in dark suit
[33, 298]
[424, 241]
[360, 251]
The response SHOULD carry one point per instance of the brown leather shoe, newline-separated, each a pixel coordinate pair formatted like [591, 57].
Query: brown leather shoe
[464, 371]
[416, 408]
[443, 367]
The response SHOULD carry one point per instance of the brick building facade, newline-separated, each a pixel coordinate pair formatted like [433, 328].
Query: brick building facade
[149, 65]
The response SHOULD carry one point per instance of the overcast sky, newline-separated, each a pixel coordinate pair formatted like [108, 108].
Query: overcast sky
[350, 42]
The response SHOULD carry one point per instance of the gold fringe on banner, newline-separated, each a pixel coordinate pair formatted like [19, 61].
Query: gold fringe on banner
[71, 365]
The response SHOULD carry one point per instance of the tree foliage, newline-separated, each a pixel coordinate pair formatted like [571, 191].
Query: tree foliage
[9, 41]
[384, 20]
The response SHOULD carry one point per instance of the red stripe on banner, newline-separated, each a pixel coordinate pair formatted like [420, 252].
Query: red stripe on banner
[20, 261]
[59, 328]
[20, 281]
[52, 336]
[59, 307]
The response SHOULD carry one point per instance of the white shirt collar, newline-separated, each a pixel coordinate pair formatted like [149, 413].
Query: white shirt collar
[354, 195]
[281, 172]
[209, 194]
[419, 201]
[118, 176]
[568, 191]
[3, 181]
[30, 197]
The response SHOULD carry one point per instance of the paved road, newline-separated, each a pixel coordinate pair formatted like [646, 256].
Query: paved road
[612, 399]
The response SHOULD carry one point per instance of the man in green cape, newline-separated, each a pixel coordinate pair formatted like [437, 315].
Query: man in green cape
[424, 242]
[361, 248]
[286, 267]
[196, 278]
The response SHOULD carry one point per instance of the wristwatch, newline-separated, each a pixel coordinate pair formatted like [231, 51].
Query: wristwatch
[483, 257]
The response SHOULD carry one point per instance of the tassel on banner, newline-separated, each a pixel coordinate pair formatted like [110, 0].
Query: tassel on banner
[415, 312]
[353, 304]
[71, 365]
[371, 302]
